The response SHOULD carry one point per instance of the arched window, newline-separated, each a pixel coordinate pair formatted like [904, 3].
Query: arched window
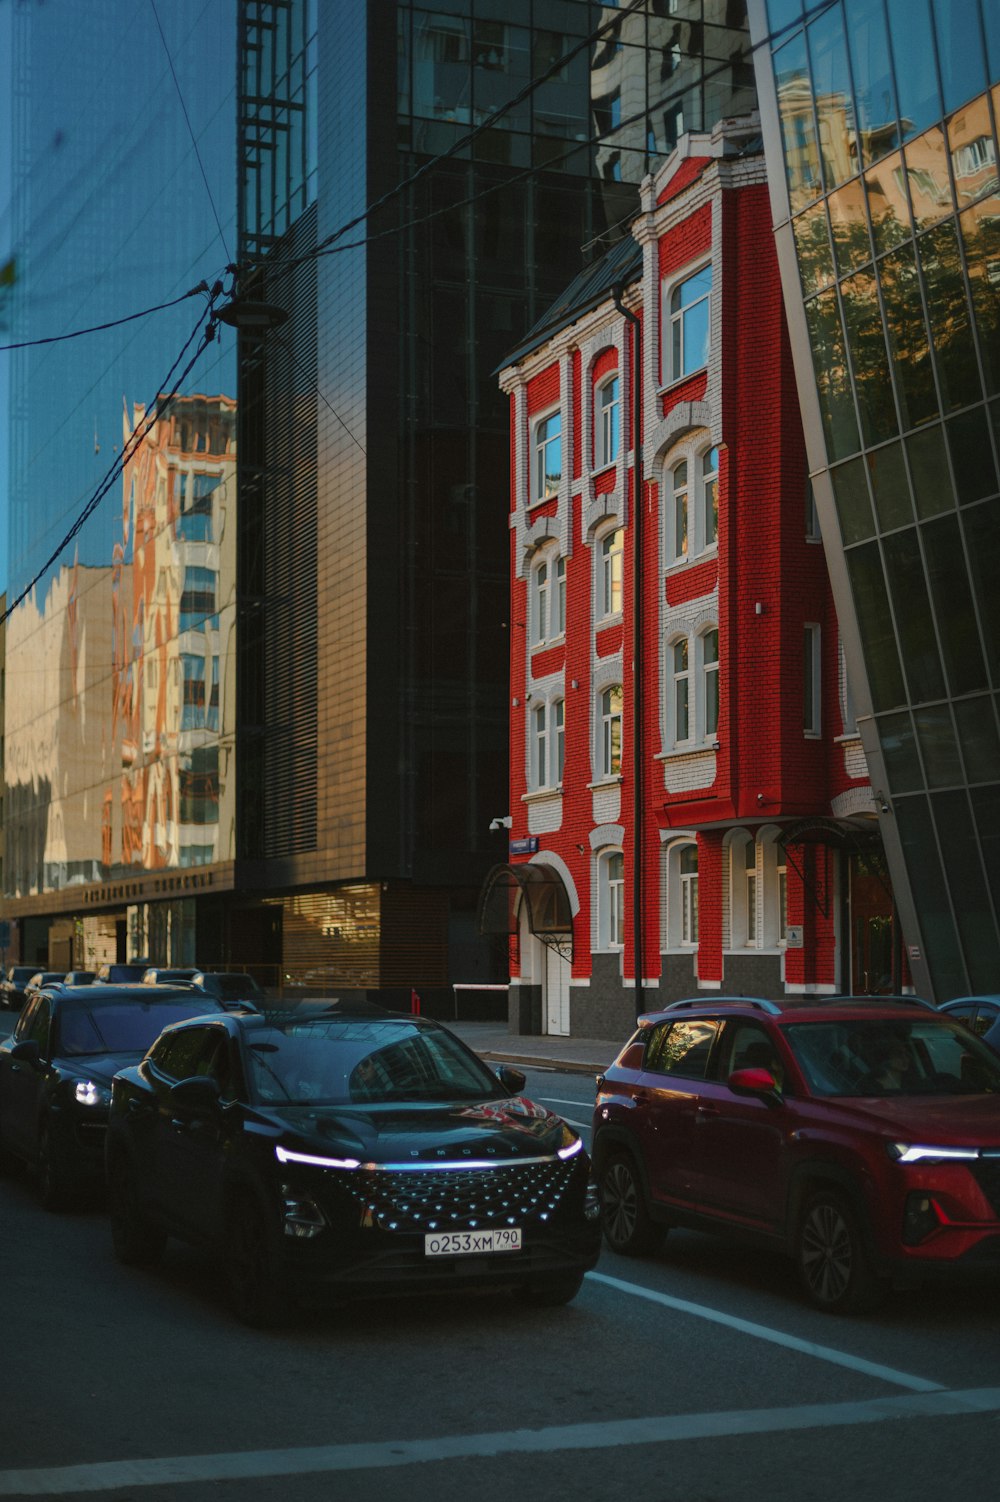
[610, 579]
[611, 899]
[539, 602]
[709, 705]
[547, 599]
[687, 870]
[546, 457]
[610, 732]
[678, 526]
[607, 422]
[546, 753]
[686, 325]
[710, 497]
[681, 695]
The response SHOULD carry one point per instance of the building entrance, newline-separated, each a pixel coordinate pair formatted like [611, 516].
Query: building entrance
[872, 937]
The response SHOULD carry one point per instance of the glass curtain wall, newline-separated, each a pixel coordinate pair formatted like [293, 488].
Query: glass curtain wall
[880, 124]
[122, 497]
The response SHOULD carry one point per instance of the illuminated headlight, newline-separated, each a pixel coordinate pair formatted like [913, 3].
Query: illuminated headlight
[907, 1152]
[572, 1146]
[284, 1155]
[88, 1093]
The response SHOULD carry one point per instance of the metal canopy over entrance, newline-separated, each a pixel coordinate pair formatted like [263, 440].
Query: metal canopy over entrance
[535, 889]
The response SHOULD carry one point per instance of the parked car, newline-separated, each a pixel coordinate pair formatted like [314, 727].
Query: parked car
[860, 1135]
[345, 1153]
[154, 976]
[41, 979]
[80, 977]
[13, 984]
[115, 972]
[56, 1070]
[979, 1013]
[231, 987]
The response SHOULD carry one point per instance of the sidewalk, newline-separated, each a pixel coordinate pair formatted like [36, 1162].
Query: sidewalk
[493, 1042]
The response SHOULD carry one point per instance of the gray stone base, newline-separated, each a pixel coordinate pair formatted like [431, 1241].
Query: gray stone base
[524, 1010]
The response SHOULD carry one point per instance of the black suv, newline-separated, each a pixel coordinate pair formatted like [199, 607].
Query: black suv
[56, 1070]
[331, 1153]
[859, 1134]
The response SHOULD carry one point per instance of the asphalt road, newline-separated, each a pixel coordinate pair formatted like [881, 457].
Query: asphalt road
[693, 1376]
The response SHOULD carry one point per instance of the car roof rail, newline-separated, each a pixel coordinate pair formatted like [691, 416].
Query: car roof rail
[760, 1002]
[878, 1001]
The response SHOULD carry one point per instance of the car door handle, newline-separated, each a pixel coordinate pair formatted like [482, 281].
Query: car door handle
[705, 1113]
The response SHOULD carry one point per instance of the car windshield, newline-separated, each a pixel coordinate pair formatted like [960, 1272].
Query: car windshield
[231, 987]
[883, 1057]
[122, 1026]
[347, 1063]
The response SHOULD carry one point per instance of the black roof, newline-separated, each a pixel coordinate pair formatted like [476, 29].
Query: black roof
[621, 265]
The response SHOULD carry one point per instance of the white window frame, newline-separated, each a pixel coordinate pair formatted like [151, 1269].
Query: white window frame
[558, 730]
[559, 597]
[708, 669]
[708, 497]
[608, 716]
[541, 442]
[540, 602]
[678, 362]
[691, 504]
[812, 680]
[611, 901]
[611, 574]
[546, 745]
[547, 602]
[679, 671]
[607, 421]
[679, 524]
[687, 891]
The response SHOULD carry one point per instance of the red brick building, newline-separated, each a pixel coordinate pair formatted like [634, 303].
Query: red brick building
[689, 798]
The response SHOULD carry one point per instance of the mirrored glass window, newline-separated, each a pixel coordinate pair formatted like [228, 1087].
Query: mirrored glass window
[973, 153]
[909, 344]
[890, 487]
[960, 55]
[871, 603]
[981, 525]
[914, 625]
[929, 471]
[925, 165]
[930, 895]
[938, 746]
[972, 459]
[869, 357]
[832, 376]
[963, 865]
[849, 225]
[981, 238]
[899, 747]
[888, 204]
[948, 574]
[812, 248]
[916, 72]
[948, 308]
[850, 488]
[978, 738]
[832, 91]
[874, 91]
[798, 128]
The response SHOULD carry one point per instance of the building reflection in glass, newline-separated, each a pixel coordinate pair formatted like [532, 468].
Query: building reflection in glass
[119, 738]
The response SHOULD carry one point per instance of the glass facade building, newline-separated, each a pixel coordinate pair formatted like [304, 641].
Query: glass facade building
[880, 124]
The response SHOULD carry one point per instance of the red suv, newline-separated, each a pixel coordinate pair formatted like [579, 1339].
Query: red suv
[860, 1135]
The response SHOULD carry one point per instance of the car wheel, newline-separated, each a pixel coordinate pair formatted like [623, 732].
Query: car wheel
[53, 1186]
[549, 1293]
[136, 1242]
[256, 1289]
[624, 1217]
[834, 1267]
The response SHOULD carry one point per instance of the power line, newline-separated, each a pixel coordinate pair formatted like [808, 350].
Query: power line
[115, 323]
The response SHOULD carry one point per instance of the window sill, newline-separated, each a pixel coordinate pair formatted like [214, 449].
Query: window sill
[681, 752]
[608, 620]
[676, 565]
[600, 470]
[848, 739]
[613, 781]
[680, 380]
[540, 795]
[545, 646]
[540, 500]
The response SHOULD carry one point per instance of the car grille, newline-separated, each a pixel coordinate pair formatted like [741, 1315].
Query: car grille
[986, 1172]
[428, 1200]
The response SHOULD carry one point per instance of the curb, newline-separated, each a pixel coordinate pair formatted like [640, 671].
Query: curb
[539, 1061]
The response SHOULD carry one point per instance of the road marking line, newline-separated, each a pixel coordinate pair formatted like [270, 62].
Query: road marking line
[581, 1126]
[554, 1100]
[251, 1465]
[776, 1337]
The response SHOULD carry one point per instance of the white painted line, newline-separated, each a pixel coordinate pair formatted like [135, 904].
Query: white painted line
[251, 1465]
[581, 1126]
[776, 1337]
[553, 1100]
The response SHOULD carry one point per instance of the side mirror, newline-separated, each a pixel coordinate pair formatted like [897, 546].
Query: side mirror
[753, 1082]
[199, 1093]
[28, 1052]
[512, 1079]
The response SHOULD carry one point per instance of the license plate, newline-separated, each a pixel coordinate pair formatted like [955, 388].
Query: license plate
[468, 1243]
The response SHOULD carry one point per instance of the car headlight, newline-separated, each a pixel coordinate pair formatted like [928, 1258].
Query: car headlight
[88, 1093]
[285, 1155]
[911, 1152]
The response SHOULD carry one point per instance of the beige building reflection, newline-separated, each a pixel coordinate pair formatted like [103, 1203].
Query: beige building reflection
[119, 750]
